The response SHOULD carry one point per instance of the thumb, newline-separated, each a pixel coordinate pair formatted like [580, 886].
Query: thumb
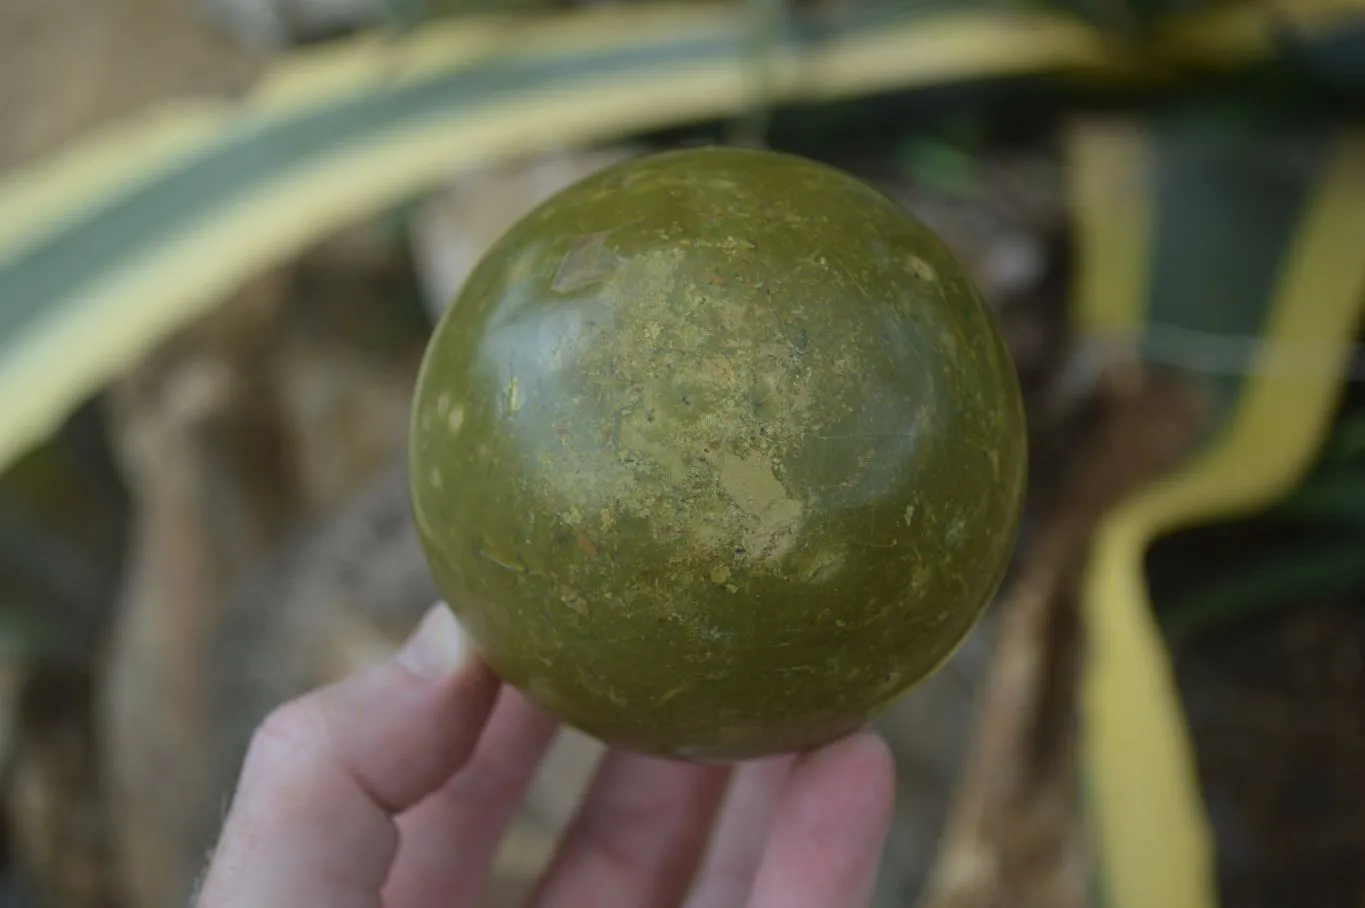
[312, 820]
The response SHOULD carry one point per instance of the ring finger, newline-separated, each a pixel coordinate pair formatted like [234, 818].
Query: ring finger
[449, 840]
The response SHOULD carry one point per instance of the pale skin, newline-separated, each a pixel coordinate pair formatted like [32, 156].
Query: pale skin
[393, 788]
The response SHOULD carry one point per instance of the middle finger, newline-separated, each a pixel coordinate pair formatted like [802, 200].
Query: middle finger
[736, 848]
[638, 836]
[448, 841]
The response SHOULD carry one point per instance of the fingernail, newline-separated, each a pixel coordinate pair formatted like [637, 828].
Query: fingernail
[437, 649]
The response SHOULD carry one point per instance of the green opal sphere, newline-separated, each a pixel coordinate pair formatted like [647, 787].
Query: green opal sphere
[716, 453]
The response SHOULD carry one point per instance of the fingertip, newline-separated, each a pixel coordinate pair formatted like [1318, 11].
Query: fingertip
[864, 747]
[438, 648]
[860, 768]
[863, 756]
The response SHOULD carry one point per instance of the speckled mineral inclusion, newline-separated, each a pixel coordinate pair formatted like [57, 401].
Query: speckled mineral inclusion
[717, 453]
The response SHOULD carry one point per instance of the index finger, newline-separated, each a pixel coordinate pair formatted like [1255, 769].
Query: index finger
[312, 820]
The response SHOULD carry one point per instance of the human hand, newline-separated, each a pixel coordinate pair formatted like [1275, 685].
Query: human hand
[394, 787]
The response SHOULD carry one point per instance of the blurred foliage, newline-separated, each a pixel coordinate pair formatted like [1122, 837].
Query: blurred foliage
[1308, 548]
[63, 517]
[1221, 242]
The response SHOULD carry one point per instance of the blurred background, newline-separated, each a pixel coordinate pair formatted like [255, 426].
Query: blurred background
[226, 228]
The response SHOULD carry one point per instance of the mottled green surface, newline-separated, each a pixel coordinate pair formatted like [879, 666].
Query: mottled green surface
[716, 453]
